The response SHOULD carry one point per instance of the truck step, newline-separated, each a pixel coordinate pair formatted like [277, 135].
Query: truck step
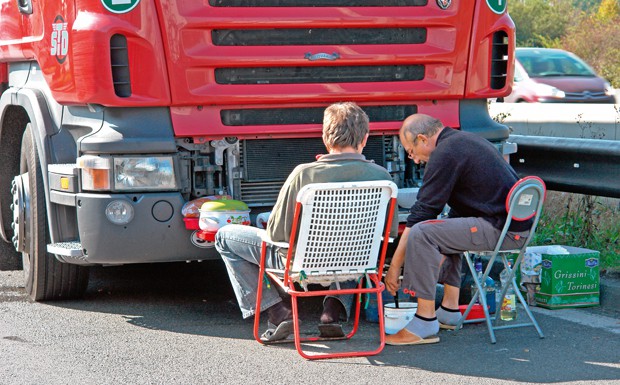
[69, 249]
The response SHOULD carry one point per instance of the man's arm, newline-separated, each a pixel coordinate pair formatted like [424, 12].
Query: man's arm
[392, 277]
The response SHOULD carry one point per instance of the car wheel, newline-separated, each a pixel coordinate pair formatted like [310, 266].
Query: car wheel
[46, 278]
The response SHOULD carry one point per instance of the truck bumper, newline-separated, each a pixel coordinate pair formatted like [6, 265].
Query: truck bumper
[156, 233]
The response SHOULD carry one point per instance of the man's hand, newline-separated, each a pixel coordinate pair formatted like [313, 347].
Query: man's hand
[392, 280]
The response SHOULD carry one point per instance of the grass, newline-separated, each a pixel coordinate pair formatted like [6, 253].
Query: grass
[582, 221]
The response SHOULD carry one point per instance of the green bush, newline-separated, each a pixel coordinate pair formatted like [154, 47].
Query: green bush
[582, 221]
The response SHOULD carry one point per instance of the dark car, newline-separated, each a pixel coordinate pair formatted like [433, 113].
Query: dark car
[555, 76]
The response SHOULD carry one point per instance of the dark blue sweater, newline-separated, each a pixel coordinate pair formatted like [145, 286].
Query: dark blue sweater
[469, 174]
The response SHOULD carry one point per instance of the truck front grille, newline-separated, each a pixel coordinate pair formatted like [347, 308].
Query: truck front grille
[308, 115]
[267, 163]
[331, 74]
[317, 36]
[317, 3]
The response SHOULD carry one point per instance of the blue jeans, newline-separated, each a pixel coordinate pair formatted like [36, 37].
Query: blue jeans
[240, 248]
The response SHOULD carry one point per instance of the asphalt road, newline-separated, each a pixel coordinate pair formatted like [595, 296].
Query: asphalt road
[179, 324]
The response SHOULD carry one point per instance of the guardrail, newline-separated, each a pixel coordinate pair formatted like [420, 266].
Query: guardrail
[575, 120]
[586, 166]
[572, 147]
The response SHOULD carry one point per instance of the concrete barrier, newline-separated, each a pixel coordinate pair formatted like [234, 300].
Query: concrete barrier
[574, 120]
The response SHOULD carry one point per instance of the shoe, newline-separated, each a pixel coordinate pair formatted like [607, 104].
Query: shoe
[448, 326]
[331, 330]
[405, 337]
[278, 333]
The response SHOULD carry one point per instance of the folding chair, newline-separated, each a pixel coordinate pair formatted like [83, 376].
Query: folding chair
[340, 233]
[524, 201]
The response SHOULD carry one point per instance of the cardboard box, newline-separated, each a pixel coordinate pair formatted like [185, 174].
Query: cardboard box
[568, 280]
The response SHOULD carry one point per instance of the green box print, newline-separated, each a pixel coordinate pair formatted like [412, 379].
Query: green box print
[569, 280]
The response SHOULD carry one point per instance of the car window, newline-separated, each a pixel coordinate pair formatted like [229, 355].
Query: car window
[544, 63]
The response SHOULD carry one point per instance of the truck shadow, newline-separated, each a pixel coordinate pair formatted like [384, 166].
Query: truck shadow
[197, 299]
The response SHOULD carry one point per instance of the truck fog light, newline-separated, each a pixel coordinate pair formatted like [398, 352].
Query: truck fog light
[119, 212]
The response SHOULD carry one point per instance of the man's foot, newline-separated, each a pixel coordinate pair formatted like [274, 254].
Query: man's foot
[333, 312]
[405, 337]
[448, 318]
[279, 312]
[279, 332]
[280, 324]
[419, 331]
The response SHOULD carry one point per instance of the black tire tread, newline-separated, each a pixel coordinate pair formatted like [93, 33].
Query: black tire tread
[50, 279]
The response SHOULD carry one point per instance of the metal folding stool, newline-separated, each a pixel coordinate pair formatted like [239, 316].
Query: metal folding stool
[524, 202]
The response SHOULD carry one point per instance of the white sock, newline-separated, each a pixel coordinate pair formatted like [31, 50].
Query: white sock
[423, 327]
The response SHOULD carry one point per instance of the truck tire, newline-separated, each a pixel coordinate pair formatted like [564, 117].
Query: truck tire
[46, 277]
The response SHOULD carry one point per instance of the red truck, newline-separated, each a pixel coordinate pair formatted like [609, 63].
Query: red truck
[115, 113]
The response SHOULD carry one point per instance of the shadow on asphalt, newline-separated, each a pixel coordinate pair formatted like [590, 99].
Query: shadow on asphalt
[197, 299]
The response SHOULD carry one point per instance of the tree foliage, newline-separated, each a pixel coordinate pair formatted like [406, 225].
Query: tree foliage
[588, 28]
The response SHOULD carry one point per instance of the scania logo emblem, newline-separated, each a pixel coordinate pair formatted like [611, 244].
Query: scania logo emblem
[321, 56]
[444, 4]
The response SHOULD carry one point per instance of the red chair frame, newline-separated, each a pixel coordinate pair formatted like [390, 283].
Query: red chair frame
[287, 283]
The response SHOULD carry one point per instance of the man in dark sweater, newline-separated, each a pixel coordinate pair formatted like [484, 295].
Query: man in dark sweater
[467, 173]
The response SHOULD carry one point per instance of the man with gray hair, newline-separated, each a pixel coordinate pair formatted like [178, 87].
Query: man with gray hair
[345, 132]
[467, 173]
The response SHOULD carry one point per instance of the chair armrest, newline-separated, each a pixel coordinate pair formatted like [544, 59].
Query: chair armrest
[266, 239]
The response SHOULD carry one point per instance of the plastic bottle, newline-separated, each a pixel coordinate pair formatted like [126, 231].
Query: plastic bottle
[508, 311]
[488, 286]
[478, 268]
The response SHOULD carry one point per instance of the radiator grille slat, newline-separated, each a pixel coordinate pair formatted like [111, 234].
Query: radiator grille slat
[499, 60]
[317, 36]
[309, 115]
[323, 74]
[119, 62]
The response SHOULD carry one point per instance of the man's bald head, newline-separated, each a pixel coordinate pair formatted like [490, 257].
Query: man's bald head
[420, 124]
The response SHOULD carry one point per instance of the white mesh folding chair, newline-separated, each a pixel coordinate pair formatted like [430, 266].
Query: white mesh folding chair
[524, 202]
[341, 233]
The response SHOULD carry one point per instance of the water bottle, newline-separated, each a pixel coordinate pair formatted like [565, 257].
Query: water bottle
[478, 268]
[508, 311]
[488, 286]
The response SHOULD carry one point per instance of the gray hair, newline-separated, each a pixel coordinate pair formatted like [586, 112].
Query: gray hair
[418, 124]
[344, 124]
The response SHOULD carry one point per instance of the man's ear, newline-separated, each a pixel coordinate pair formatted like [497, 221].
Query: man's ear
[360, 148]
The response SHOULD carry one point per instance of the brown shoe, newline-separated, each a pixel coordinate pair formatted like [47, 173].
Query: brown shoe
[405, 337]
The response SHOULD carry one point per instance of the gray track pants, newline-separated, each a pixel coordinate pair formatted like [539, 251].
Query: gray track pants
[429, 241]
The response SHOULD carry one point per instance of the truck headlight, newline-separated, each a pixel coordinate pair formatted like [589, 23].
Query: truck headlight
[152, 173]
[127, 173]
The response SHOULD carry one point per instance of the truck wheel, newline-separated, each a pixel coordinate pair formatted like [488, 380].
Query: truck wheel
[46, 277]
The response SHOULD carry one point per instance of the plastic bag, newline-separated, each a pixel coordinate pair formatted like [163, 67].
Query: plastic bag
[191, 209]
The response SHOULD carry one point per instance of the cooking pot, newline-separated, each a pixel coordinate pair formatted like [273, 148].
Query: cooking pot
[397, 318]
[221, 212]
